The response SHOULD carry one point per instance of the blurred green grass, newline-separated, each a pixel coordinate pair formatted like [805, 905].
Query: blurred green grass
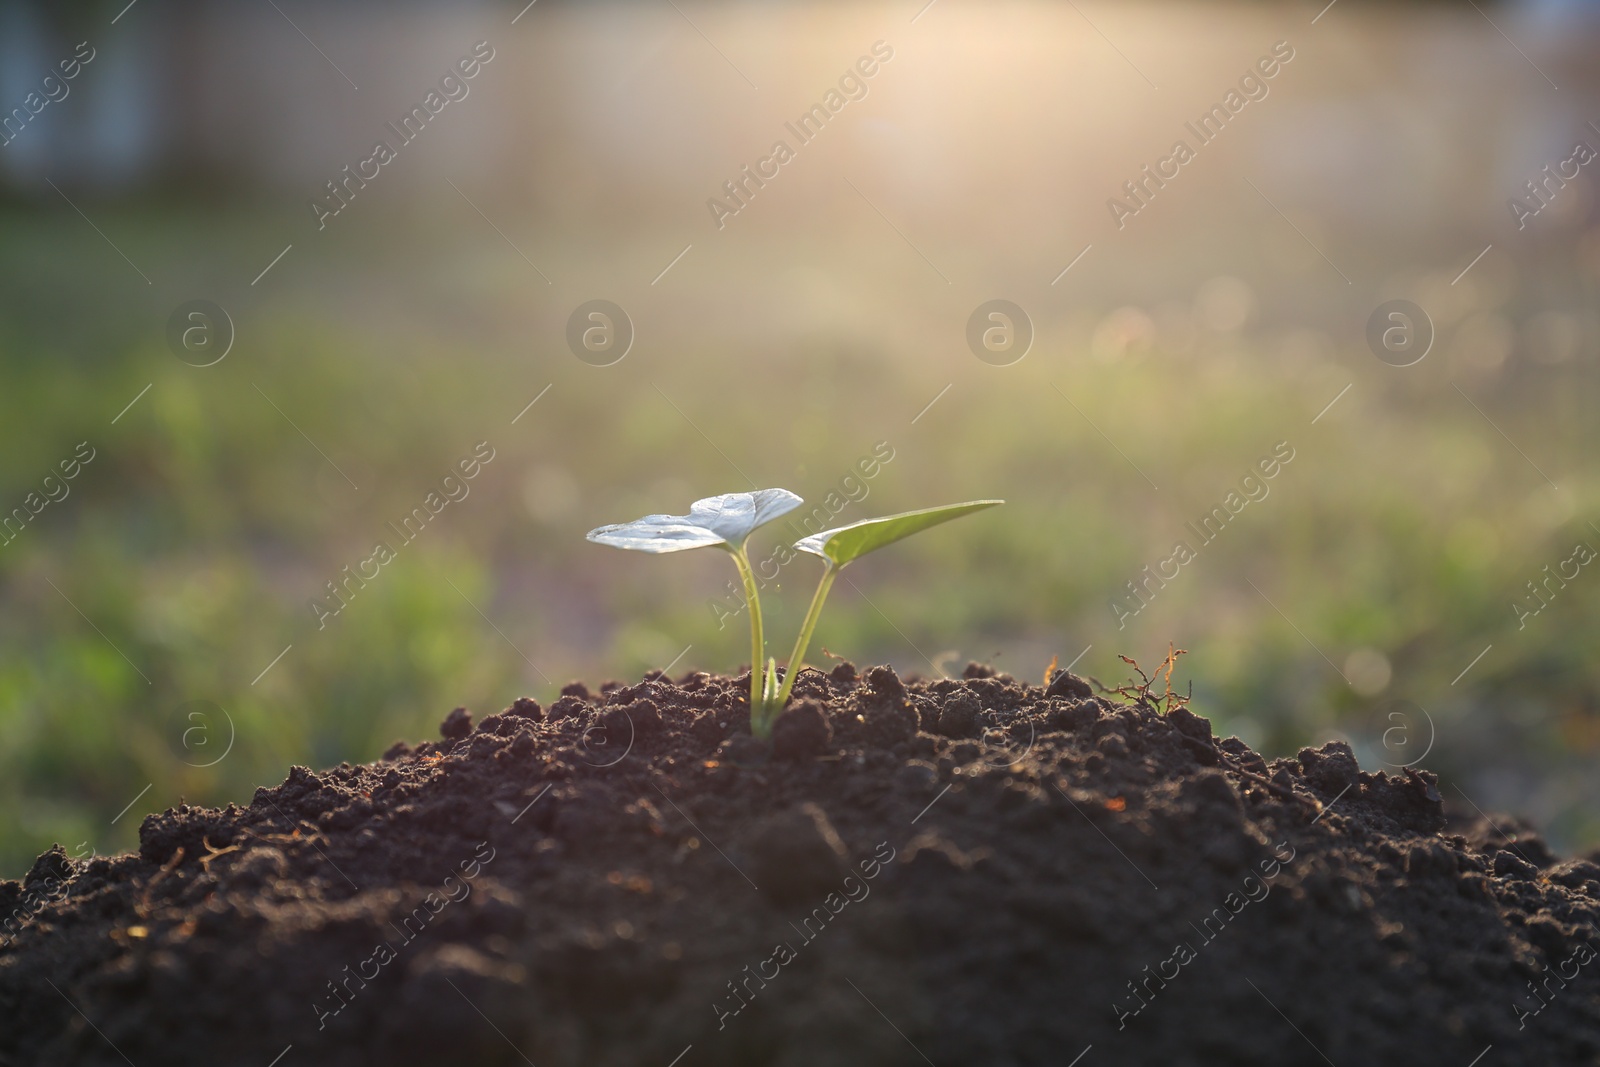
[195, 540]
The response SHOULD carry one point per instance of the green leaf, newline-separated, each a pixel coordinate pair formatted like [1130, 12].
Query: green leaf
[847, 543]
[716, 520]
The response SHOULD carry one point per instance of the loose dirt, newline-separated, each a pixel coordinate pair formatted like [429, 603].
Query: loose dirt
[970, 871]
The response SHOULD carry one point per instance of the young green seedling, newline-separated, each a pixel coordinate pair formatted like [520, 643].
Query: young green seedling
[838, 548]
[724, 522]
[727, 521]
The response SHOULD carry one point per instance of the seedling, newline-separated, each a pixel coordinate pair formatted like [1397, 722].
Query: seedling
[727, 521]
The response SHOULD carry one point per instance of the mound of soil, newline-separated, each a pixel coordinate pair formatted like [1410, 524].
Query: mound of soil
[969, 871]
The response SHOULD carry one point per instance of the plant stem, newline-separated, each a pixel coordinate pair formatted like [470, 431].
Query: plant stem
[752, 600]
[770, 715]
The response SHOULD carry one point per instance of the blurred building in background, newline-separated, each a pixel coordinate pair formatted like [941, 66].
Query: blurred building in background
[232, 95]
[226, 94]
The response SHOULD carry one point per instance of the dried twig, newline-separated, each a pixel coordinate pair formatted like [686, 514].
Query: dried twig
[212, 852]
[1142, 691]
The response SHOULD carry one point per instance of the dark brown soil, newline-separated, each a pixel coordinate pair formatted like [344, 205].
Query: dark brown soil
[955, 872]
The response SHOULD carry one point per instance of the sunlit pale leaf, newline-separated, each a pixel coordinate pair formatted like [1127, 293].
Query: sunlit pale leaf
[851, 542]
[717, 520]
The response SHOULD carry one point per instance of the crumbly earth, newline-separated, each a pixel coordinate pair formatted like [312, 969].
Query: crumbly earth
[970, 871]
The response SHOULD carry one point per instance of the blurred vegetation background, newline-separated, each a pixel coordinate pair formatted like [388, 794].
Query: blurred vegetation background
[139, 615]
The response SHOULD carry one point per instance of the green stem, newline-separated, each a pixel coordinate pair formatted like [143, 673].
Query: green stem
[752, 599]
[797, 657]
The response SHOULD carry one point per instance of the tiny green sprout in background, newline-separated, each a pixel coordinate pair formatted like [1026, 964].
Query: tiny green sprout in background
[727, 521]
